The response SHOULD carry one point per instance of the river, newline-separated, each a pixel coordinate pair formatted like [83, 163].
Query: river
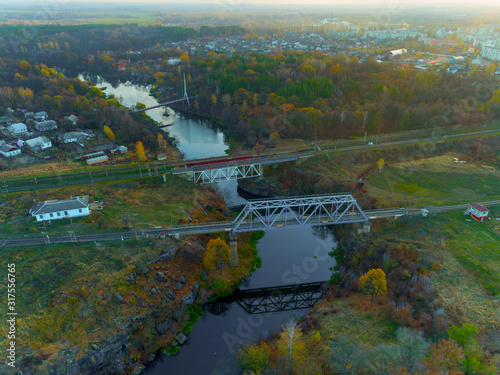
[289, 256]
[196, 139]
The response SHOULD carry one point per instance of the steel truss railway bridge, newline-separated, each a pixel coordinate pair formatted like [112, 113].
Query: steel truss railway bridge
[273, 299]
[231, 170]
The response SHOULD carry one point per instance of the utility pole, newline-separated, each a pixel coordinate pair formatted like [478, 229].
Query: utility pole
[71, 232]
[378, 133]
[34, 177]
[45, 235]
[5, 186]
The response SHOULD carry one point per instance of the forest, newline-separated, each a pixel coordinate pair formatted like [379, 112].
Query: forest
[312, 95]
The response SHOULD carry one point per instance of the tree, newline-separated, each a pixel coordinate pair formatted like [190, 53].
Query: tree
[109, 133]
[226, 99]
[346, 356]
[380, 164]
[307, 68]
[473, 360]
[383, 359]
[290, 338]
[139, 151]
[162, 144]
[184, 58]
[255, 358]
[490, 69]
[413, 348]
[446, 357]
[160, 78]
[217, 254]
[374, 282]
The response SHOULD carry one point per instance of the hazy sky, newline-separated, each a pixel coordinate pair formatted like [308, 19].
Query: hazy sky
[305, 3]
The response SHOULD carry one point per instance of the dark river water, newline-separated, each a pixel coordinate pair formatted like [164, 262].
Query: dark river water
[289, 256]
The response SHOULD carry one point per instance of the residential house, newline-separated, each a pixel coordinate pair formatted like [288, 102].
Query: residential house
[68, 137]
[41, 116]
[9, 150]
[53, 210]
[73, 119]
[17, 129]
[119, 150]
[478, 212]
[174, 61]
[39, 143]
[44, 126]
[28, 115]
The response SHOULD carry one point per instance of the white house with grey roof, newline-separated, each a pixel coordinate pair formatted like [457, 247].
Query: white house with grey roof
[53, 210]
[9, 150]
[44, 126]
[39, 142]
[41, 116]
[17, 129]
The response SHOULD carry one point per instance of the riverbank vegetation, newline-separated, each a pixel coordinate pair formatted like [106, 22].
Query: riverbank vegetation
[433, 293]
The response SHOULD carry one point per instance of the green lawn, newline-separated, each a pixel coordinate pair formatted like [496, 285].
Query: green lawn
[396, 185]
[144, 203]
[476, 246]
[464, 257]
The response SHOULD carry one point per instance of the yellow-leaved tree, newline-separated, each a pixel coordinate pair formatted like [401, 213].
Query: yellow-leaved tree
[374, 282]
[139, 151]
[292, 346]
[109, 133]
[162, 144]
[217, 254]
[184, 58]
[380, 164]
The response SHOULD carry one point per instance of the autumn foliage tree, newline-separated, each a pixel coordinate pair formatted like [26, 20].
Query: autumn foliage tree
[184, 58]
[139, 151]
[109, 133]
[374, 282]
[162, 144]
[217, 254]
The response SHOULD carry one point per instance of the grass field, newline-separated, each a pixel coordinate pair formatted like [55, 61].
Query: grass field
[437, 180]
[356, 315]
[467, 254]
[141, 203]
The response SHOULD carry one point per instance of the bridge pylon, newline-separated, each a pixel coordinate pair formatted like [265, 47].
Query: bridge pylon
[186, 97]
[233, 245]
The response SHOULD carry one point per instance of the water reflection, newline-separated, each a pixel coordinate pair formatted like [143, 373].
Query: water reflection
[195, 138]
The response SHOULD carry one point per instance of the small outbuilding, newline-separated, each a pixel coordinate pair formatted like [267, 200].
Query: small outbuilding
[478, 212]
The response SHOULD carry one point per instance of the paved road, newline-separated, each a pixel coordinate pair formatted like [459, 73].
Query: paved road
[220, 227]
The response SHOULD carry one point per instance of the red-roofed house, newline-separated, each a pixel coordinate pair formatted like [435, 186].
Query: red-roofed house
[478, 211]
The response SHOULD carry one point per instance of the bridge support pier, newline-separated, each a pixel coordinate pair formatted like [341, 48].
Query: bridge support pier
[233, 244]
